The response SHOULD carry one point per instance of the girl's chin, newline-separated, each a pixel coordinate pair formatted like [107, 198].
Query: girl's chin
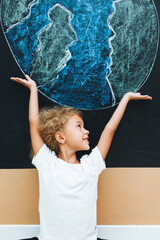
[84, 147]
[88, 147]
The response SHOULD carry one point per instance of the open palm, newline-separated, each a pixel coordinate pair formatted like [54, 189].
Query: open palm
[28, 82]
[138, 96]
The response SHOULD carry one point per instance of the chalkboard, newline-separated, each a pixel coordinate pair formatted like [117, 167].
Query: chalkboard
[136, 141]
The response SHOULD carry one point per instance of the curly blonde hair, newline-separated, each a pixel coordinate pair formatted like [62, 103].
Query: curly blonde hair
[53, 120]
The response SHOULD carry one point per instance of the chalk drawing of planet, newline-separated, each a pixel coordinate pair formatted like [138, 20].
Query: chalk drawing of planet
[83, 53]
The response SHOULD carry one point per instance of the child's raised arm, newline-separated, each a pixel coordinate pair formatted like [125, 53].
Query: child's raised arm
[36, 139]
[108, 132]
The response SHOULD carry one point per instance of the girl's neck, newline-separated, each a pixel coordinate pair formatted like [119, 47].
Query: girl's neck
[69, 157]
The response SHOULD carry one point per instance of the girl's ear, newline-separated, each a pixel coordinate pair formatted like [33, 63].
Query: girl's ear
[59, 137]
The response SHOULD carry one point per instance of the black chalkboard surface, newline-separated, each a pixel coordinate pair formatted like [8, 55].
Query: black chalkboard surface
[136, 142]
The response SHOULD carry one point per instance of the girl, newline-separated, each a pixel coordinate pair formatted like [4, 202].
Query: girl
[68, 188]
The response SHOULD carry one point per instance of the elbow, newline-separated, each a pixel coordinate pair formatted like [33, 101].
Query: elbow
[110, 128]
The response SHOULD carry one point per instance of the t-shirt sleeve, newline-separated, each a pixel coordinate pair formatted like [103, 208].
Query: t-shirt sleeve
[44, 157]
[95, 161]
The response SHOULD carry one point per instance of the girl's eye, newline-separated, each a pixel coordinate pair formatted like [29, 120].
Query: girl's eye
[79, 126]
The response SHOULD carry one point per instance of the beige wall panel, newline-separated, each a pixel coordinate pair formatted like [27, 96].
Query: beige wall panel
[19, 196]
[126, 196]
[129, 196]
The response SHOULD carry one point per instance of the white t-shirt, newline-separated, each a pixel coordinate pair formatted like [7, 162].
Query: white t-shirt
[68, 195]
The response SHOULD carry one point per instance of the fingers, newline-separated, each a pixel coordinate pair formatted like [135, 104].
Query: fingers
[17, 79]
[20, 79]
[28, 77]
[139, 94]
[145, 97]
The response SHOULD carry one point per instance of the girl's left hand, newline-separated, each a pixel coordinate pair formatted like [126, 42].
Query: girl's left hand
[137, 96]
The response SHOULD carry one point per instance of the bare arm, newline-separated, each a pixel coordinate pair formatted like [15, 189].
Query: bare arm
[110, 128]
[36, 139]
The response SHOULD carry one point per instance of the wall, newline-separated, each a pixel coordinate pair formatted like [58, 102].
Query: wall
[126, 196]
[129, 196]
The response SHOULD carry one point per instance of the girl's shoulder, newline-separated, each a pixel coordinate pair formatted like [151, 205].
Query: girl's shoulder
[94, 160]
[44, 155]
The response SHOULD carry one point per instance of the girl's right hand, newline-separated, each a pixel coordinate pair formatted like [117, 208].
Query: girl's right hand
[29, 83]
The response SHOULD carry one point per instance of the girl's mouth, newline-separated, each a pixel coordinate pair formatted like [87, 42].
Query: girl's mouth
[86, 139]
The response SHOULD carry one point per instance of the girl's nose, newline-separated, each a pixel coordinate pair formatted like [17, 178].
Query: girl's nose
[86, 131]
